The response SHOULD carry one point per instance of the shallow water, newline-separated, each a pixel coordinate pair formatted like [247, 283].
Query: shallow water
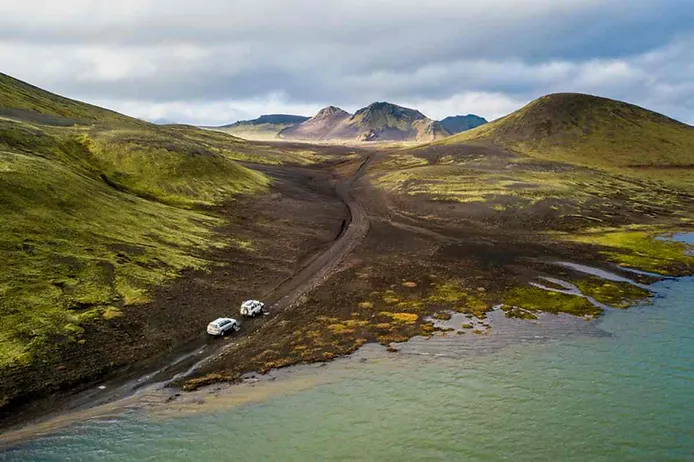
[618, 389]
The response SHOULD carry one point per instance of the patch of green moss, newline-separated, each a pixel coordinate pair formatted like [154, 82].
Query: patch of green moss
[453, 294]
[614, 294]
[640, 248]
[447, 292]
[390, 297]
[536, 299]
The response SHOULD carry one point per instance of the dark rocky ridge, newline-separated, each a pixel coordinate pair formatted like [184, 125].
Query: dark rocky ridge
[461, 123]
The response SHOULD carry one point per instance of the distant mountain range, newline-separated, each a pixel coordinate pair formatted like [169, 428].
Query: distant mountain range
[270, 119]
[380, 121]
[461, 123]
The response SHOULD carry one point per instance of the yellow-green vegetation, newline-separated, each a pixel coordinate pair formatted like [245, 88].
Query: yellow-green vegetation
[239, 150]
[403, 161]
[522, 182]
[640, 248]
[615, 294]
[261, 132]
[450, 295]
[536, 299]
[477, 186]
[20, 99]
[391, 316]
[390, 297]
[459, 298]
[598, 133]
[265, 127]
[209, 379]
[516, 312]
[158, 164]
[406, 318]
[274, 156]
[95, 216]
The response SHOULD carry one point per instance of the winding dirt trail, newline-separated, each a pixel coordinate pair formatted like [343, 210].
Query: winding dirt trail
[311, 275]
[317, 269]
[119, 393]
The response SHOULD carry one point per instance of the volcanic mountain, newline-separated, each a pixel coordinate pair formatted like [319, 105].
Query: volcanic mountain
[377, 122]
[328, 124]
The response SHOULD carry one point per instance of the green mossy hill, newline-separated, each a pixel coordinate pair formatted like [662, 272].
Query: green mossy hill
[95, 216]
[595, 132]
[23, 101]
[169, 166]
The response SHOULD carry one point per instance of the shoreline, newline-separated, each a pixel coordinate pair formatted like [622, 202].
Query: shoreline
[159, 400]
[494, 332]
[167, 393]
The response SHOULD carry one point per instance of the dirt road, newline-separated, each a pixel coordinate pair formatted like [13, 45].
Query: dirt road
[315, 271]
[161, 371]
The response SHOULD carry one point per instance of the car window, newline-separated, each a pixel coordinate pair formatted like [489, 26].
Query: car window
[224, 323]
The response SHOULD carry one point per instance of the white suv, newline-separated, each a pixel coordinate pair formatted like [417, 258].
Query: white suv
[222, 326]
[252, 308]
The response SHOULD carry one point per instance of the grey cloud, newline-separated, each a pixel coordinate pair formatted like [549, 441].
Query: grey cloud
[349, 52]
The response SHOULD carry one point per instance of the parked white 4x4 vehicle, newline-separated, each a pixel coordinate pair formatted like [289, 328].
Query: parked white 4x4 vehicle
[222, 326]
[252, 308]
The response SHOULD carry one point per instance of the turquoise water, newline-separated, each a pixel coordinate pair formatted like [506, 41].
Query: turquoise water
[621, 390]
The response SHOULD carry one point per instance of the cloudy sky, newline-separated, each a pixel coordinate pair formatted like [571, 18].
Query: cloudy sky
[217, 61]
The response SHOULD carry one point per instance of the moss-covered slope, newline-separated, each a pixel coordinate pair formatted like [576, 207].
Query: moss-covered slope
[97, 212]
[595, 132]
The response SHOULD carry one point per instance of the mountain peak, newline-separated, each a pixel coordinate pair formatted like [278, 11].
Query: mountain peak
[383, 108]
[330, 111]
[580, 129]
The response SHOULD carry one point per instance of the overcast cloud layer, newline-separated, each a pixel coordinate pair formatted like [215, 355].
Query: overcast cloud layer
[215, 61]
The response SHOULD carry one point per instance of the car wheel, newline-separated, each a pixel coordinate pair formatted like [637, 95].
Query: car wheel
[237, 328]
